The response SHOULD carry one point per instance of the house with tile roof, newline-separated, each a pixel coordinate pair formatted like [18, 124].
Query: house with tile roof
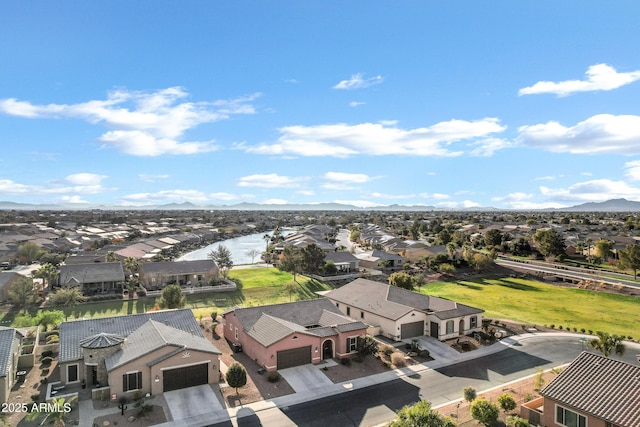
[345, 262]
[400, 314]
[593, 391]
[155, 275]
[94, 278]
[281, 336]
[150, 352]
[10, 347]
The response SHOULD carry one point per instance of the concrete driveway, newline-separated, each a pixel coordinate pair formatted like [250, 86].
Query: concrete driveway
[306, 377]
[193, 401]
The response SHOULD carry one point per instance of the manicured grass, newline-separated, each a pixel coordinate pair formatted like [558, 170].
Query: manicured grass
[538, 303]
[260, 286]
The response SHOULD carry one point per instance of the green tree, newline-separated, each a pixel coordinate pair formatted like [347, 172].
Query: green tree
[236, 376]
[56, 412]
[48, 318]
[132, 265]
[330, 268]
[291, 261]
[402, 280]
[47, 272]
[111, 257]
[447, 268]
[606, 344]
[22, 293]
[484, 411]
[366, 345]
[469, 394]
[493, 237]
[29, 252]
[603, 249]
[630, 259]
[480, 261]
[312, 258]
[354, 236]
[172, 297]
[222, 256]
[66, 298]
[290, 288]
[549, 242]
[421, 415]
[516, 421]
[507, 402]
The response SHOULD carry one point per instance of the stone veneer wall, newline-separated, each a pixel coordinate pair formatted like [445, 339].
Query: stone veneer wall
[97, 356]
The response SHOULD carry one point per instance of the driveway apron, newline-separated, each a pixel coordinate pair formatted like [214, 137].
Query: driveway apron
[192, 401]
[305, 377]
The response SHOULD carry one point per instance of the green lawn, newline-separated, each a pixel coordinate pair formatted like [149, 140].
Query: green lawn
[533, 302]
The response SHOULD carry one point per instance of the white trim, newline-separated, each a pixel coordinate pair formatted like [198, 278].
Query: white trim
[185, 365]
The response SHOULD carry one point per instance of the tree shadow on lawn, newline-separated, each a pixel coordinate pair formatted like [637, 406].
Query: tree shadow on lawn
[513, 284]
[469, 286]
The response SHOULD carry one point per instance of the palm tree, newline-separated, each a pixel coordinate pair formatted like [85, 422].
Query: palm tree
[607, 344]
[111, 257]
[56, 414]
[267, 239]
[47, 272]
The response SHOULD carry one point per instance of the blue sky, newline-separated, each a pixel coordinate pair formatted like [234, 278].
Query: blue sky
[515, 105]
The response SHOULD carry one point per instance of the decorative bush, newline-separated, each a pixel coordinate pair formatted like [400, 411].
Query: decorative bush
[552, 326]
[47, 360]
[53, 339]
[35, 397]
[52, 333]
[387, 349]
[397, 359]
[424, 353]
[273, 377]
[346, 361]
[141, 293]
[45, 372]
[47, 353]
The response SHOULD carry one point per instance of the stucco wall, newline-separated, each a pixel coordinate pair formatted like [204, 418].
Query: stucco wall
[549, 417]
[456, 326]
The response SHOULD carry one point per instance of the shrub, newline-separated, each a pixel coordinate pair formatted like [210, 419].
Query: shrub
[346, 361]
[552, 326]
[144, 409]
[47, 353]
[560, 327]
[214, 315]
[47, 360]
[582, 330]
[469, 394]
[52, 333]
[424, 353]
[45, 372]
[273, 377]
[35, 397]
[53, 339]
[507, 402]
[397, 359]
[484, 411]
[516, 421]
[590, 332]
[141, 293]
[387, 349]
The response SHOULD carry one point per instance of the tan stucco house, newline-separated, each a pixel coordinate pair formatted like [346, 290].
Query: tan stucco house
[155, 275]
[94, 278]
[151, 353]
[593, 391]
[281, 336]
[10, 346]
[400, 314]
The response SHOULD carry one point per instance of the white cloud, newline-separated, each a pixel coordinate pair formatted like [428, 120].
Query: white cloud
[152, 178]
[306, 192]
[74, 184]
[533, 206]
[376, 195]
[632, 170]
[357, 81]
[228, 197]
[548, 177]
[167, 196]
[141, 123]
[465, 204]
[275, 202]
[487, 147]
[599, 77]
[343, 140]
[600, 134]
[598, 190]
[513, 197]
[435, 196]
[347, 177]
[85, 178]
[72, 199]
[270, 181]
[356, 103]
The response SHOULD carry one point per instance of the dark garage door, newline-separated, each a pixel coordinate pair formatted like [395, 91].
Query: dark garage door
[414, 329]
[294, 357]
[189, 376]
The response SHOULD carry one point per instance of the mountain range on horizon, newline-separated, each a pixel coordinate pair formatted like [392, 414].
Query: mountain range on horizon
[613, 205]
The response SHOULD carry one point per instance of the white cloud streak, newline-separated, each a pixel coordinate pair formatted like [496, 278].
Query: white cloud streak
[270, 181]
[600, 134]
[357, 81]
[377, 139]
[598, 190]
[598, 77]
[141, 123]
[74, 184]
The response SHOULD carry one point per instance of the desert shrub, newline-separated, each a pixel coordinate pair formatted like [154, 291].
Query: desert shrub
[141, 293]
[346, 361]
[45, 372]
[387, 349]
[53, 339]
[424, 353]
[47, 360]
[35, 397]
[469, 394]
[47, 353]
[144, 409]
[582, 330]
[507, 402]
[273, 377]
[397, 359]
[52, 333]
[516, 421]
[552, 326]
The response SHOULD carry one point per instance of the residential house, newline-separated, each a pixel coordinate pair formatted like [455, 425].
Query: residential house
[285, 335]
[593, 391]
[155, 275]
[401, 314]
[345, 262]
[94, 278]
[151, 352]
[10, 347]
[7, 278]
[381, 260]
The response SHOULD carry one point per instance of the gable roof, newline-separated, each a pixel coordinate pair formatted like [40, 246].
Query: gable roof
[178, 267]
[7, 277]
[92, 273]
[73, 332]
[270, 323]
[7, 336]
[153, 335]
[340, 257]
[604, 388]
[393, 302]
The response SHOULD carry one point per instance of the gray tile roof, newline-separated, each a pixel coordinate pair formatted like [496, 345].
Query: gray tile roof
[6, 277]
[92, 273]
[7, 336]
[153, 335]
[178, 267]
[71, 333]
[393, 302]
[604, 388]
[101, 340]
[270, 323]
[337, 257]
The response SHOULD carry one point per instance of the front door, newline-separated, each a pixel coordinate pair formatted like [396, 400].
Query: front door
[327, 350]
[93, 375]
[435, 330]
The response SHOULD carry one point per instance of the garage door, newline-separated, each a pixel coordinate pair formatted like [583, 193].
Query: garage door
[294, 357]
[414, 329]
[189, 376]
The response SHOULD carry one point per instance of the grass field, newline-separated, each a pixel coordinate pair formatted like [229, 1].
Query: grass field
[538, 303]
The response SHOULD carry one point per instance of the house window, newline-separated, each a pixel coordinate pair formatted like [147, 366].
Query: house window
[473, 322]
[348, 311]
[569, 418]
[352, 344]
[72, 373]
[449, 326]
[132, 381]
[362, 314]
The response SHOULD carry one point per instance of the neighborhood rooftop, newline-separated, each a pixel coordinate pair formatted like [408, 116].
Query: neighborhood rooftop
[6, 345]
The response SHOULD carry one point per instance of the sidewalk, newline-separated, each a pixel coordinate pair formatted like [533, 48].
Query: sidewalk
[333, 389]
